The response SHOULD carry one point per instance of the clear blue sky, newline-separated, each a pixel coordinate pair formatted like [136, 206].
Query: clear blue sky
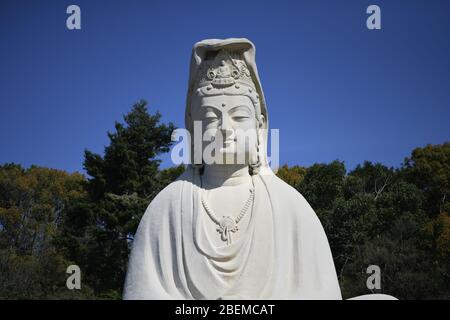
[334, 89]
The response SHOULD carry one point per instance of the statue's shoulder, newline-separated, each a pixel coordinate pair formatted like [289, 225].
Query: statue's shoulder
[165, 203]
[287, 196]
[282, 189]
[173, 189]
[171, 194]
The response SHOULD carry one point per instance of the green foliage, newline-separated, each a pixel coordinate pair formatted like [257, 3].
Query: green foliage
[32, 204]
[291, 175]
[396, 218]
[429, 169]
[99, 229]
[50, 219]
[323, 183]
[130, 164]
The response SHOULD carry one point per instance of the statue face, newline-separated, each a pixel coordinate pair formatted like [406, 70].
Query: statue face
[229, 127]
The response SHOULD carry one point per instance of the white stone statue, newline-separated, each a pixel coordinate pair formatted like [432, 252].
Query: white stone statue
[229, 230]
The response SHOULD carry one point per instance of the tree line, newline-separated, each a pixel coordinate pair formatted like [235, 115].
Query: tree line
[396, 218]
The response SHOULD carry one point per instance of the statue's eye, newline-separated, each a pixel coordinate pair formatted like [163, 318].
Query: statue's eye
[210, 116]
[211, 119]
[240, 116]
[240, 119]
[240, 113]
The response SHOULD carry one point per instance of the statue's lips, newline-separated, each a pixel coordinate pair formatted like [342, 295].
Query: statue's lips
[229, 141]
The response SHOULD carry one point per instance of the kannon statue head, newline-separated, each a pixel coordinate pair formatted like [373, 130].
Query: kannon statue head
[226, 102]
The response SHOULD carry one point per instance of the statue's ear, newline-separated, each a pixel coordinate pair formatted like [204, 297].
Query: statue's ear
[261, 126]
[262, 121]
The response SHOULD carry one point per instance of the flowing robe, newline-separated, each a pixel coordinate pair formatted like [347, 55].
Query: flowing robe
[283, 253]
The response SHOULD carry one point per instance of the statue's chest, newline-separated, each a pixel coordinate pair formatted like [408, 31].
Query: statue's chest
[226, 213]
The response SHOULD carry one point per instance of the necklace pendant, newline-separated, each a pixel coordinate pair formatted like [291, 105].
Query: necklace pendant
[226, 227]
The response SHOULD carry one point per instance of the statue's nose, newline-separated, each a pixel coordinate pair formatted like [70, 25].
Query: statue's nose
[227, 135]
[226, 127]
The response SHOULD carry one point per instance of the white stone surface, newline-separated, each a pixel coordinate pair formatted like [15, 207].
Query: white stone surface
[278, 251]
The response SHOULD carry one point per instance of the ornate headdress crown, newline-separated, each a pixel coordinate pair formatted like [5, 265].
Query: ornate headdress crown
[224, 70]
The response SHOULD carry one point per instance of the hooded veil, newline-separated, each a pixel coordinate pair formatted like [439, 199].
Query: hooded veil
[283, 253]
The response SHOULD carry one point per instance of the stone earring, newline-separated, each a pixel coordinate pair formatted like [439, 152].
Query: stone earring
[198, 167]
[255, 163]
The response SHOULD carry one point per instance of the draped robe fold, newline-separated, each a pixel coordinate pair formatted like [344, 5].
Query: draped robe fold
[283, 253]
